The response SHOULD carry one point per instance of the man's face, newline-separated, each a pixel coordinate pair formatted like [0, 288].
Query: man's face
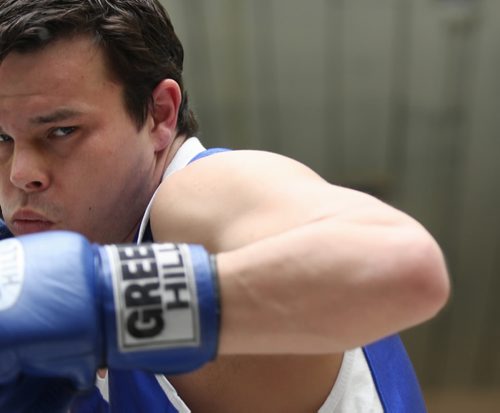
[70, 155]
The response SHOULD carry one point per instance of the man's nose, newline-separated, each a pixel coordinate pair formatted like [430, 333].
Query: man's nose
[28, 171]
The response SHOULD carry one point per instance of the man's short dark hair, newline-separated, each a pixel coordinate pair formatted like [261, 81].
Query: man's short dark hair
[137, 37]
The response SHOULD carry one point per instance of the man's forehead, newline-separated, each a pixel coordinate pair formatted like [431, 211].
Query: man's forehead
[67, 72]
[59, 82]
[62, 58]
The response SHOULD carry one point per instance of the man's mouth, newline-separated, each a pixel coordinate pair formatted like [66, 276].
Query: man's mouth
[28, 222]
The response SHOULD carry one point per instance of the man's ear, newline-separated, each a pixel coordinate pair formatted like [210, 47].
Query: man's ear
[166, 101]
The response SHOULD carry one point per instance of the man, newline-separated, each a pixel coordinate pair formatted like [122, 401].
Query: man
[96, 138]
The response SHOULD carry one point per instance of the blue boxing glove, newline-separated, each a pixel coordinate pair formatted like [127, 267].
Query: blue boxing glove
[34, 394]
[4, 231]
[68, 307]
[28, 394]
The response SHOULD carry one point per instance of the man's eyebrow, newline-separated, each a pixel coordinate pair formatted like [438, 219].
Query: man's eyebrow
[57, 116]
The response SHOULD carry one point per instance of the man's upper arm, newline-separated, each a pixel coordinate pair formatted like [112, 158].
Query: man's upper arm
[228, 200]
[305, 266]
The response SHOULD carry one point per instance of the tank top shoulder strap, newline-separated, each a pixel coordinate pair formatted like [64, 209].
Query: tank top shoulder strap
[394, 377]
[208, 152]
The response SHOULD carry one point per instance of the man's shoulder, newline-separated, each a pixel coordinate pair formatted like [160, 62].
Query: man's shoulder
[243, 195]
[227, 165]
[220, 173]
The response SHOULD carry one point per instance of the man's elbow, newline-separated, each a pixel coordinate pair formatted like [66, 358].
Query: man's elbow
[425, 283]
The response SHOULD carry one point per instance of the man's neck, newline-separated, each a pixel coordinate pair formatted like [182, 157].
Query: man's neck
[171, 151]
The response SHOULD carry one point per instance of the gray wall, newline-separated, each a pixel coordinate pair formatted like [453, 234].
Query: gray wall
[399, 98]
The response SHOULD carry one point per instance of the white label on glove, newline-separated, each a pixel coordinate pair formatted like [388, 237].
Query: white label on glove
[11, 272]
[155, 296]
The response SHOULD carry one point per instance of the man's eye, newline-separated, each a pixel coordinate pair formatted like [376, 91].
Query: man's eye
[5, 138]
[63, 132]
